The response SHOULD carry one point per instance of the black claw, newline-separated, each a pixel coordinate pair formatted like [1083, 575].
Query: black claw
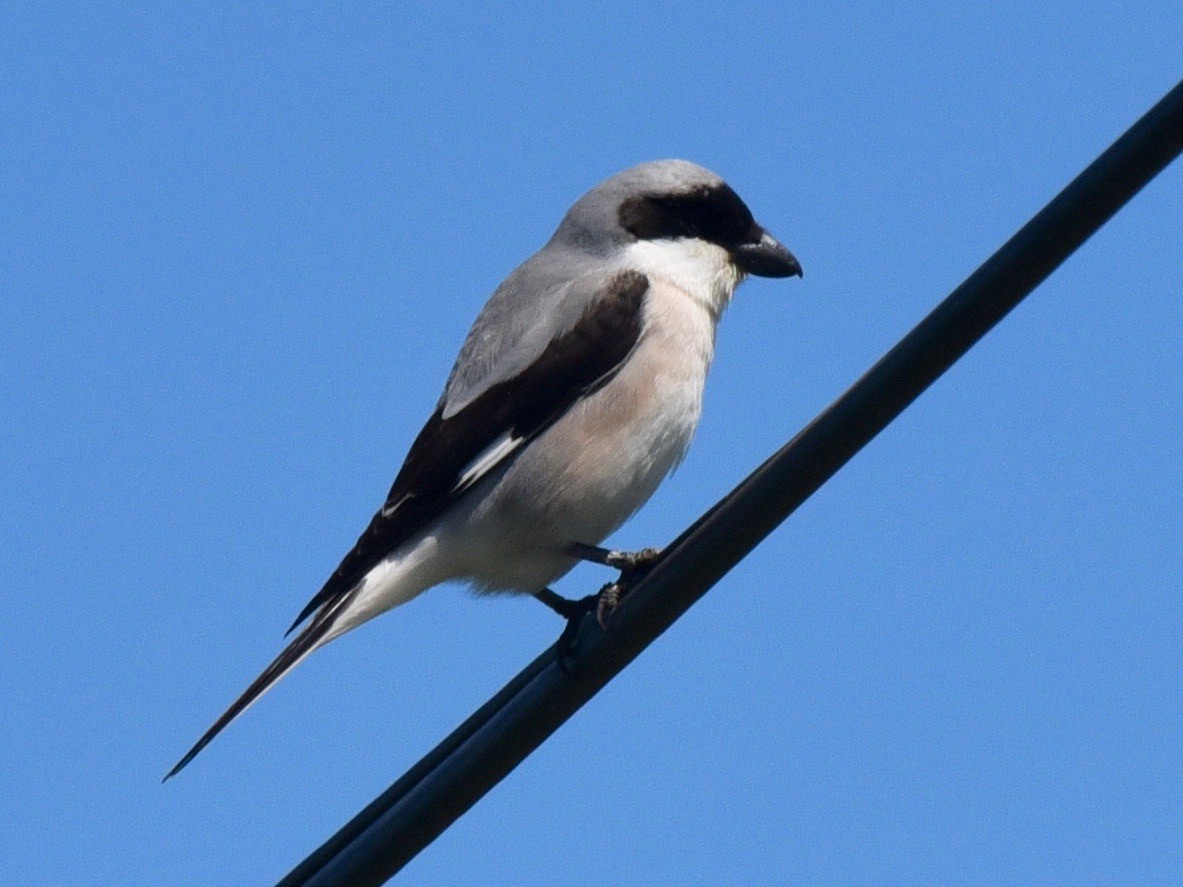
[606, 602]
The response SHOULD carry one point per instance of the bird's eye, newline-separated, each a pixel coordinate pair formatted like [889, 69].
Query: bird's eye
[651, 218]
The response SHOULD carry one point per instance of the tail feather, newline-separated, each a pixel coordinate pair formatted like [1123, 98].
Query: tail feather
[308, 640]
[308, 610]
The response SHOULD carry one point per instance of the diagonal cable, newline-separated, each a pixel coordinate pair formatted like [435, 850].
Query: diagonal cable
[409, 815]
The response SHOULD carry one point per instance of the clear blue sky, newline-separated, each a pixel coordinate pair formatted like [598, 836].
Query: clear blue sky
[239, 251]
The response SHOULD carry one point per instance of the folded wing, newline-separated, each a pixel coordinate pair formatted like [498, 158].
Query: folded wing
[457, 449]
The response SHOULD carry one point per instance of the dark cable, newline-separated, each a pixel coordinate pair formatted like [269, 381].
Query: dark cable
[409, 815]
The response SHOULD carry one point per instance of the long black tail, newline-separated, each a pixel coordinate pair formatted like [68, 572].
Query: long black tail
[305, 642]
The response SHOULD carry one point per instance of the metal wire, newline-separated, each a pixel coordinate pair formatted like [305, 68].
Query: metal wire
[409, 815]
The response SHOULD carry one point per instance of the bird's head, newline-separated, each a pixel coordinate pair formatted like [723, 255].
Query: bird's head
[676, 201]
[676, 219]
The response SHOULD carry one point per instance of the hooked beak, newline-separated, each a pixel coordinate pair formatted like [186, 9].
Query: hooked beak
[765, 257]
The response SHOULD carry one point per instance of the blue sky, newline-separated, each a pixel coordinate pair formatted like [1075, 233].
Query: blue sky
[241, 248]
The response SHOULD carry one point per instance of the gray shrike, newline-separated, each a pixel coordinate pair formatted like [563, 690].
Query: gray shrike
[575, 393]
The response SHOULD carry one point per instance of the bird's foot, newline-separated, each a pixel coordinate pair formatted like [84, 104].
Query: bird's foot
[602, 604]
[607, 601]
[632, 564]
[566, 642]
[573, 612]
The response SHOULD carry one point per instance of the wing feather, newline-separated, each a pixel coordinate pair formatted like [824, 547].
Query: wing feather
[453, 453]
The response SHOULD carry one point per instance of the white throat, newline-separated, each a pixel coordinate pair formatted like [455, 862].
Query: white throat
[703, 271]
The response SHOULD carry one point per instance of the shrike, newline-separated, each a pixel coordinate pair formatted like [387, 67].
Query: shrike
[575, 393]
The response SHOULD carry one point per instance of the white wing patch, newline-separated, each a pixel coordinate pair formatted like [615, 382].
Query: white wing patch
[391, 507]
[489, 459]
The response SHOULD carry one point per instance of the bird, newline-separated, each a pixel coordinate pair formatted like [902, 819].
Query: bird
[576, 391]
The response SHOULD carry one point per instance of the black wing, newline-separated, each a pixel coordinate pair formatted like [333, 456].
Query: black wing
[451, 455]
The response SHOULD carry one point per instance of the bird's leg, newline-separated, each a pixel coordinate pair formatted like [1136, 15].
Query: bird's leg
[573, 612]
[632, 565]
[565, 607]
[628, 562]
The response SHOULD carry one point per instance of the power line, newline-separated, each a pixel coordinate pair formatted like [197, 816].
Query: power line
[409, 815]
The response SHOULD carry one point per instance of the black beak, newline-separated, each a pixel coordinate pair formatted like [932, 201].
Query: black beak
[766, 257]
